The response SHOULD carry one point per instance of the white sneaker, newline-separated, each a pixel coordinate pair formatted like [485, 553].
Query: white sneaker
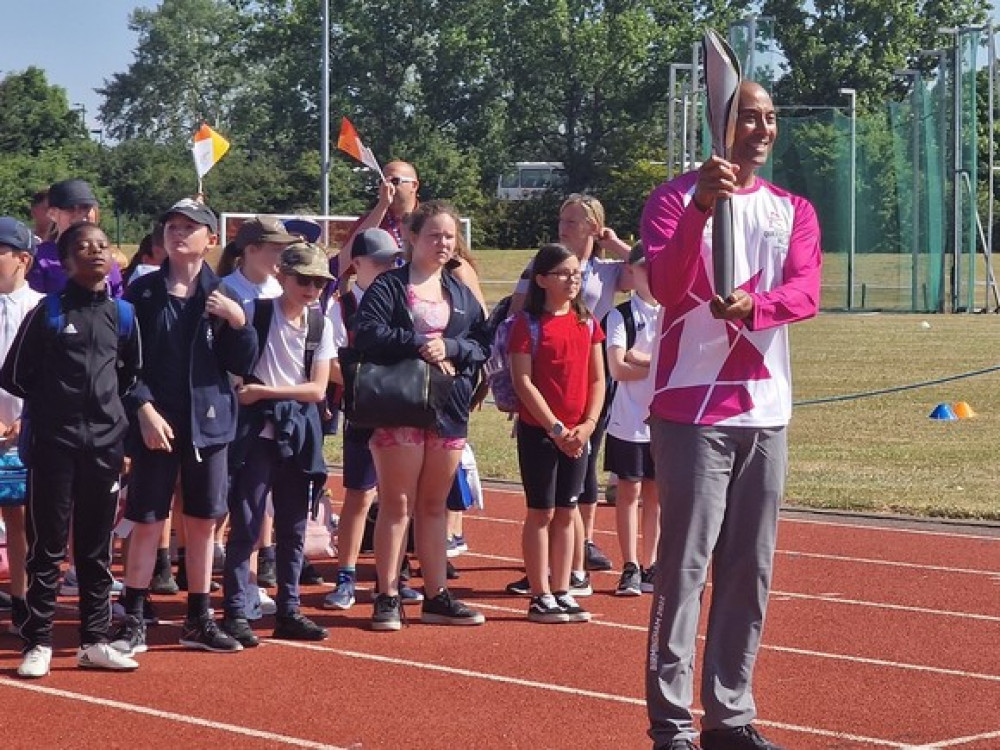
[36, 662]
[267, 605]
[103, 656]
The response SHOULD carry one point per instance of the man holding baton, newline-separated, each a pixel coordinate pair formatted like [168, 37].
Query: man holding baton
[718, 424]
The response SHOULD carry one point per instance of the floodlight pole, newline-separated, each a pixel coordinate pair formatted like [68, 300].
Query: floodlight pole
[915, 160]
[325, 119]
[852, 94]
[940, 54]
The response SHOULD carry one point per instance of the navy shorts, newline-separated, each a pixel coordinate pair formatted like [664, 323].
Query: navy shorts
[551, 479]
[630, 461]
[359, 466]
[204, 482]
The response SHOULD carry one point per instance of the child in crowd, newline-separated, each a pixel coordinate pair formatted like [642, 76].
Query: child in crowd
[69, 201]
[558, 373]
[373, 252]
[281, 442]
[148, 256]
[421, 310]
[632, 330]
[193, 337]
[248, 267]
[17, 299]
[72, 358]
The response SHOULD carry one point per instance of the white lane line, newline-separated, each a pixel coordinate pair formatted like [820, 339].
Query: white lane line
[828, 598]
[885, 605]
[565, 690]
[818, 555]
[819, 522]
[956, 741]
[170, 716]
[892, 563]
[600, 622]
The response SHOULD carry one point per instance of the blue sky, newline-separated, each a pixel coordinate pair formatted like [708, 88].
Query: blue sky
[77, 43]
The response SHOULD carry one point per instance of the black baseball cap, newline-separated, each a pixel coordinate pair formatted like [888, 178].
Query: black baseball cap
[374, 243]
[194, 210]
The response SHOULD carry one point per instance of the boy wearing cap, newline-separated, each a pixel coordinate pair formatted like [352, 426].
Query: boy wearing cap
[281, 446]
[74, 356]
[633, 331]
[17, 299]
[193, 337]
[253, 257]
[69, 201]
[373, 251]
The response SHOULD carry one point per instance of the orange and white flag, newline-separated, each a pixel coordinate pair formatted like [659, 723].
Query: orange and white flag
[350, 143]
[208, 148]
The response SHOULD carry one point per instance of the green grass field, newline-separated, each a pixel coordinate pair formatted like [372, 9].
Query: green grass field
[882, 454]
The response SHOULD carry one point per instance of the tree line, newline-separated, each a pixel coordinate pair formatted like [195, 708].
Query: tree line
[461, 88]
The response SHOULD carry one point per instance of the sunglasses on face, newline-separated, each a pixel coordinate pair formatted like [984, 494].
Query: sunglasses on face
[317, 281]
[397, 181]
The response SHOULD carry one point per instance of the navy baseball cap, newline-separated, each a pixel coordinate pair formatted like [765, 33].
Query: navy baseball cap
[194, 210]
[308, 229]
[15, 234]
[374, 243]
[71, 193]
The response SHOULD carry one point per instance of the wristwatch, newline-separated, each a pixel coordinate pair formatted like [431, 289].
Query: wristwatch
[557, 429]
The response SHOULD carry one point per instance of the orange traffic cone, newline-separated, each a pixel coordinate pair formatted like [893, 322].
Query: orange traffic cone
[964, 411]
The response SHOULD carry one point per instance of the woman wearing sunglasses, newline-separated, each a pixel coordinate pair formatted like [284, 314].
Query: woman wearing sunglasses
[422, 310]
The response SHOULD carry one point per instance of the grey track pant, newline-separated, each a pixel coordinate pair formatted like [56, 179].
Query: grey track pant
[720, 491]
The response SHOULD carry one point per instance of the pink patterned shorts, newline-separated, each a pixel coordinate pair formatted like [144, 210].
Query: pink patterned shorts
[394, 437]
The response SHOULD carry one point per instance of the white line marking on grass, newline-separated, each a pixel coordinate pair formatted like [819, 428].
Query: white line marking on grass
[170, 716]
[600, 622]
[957, 741]
[562, 689]
[891, 563]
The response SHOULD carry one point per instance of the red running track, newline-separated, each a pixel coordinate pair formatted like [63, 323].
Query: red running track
[878, 636]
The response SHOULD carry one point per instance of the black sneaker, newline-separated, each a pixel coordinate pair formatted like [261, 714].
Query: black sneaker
[648, 579]
[450, 572]
[574, 611]
[630, 583]
[267, 576]
[164, 583]
[679, 743]
[298, 627]
[444, 610]
[545, 609]
[239, 628]
[735, 738]
[204, 634]
[129, 638]
[388, 613]
[521, 587]
[405, 569]
[6, 601]
[309, 575]
[593, 558]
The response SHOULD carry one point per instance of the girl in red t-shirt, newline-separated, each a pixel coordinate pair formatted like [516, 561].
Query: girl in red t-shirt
[558, 373]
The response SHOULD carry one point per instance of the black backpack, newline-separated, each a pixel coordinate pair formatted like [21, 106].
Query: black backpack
[625, 308]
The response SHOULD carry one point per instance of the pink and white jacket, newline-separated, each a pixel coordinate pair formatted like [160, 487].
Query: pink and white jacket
[729, 373]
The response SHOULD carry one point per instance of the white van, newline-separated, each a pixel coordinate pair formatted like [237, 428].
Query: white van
[529, 179]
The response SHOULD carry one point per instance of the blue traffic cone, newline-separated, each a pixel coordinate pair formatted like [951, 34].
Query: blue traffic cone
[943, 411]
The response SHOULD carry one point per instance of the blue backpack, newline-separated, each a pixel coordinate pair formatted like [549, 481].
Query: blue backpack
[56, 319]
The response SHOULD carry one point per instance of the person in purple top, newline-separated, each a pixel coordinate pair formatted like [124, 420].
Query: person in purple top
[70, 201]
